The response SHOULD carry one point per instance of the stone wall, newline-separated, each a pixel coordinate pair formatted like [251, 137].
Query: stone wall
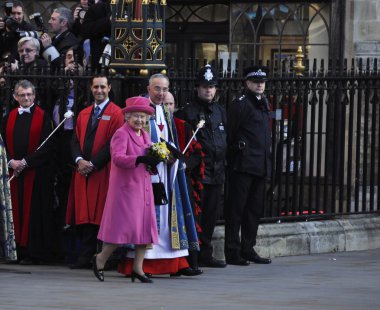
[365, 19]
[348, 233]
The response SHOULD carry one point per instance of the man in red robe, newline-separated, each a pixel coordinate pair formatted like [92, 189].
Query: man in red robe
[91, 151]
[25, 128]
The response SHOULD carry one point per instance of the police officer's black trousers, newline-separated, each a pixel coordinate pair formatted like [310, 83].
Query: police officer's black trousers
[244, 207]
[211, 204]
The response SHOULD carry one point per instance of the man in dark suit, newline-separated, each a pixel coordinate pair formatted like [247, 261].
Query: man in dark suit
[249, 142]
[60, 22]
[91, 152]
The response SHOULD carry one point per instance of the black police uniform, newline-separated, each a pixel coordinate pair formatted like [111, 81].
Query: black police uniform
[212, 138]
[249, 162]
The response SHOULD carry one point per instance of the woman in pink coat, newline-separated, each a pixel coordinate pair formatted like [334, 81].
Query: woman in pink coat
[129, 214]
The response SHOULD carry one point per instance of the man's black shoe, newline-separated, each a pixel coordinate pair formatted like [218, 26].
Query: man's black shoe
[254, 257]
[212, 263]
[238, 261]
[188, 272]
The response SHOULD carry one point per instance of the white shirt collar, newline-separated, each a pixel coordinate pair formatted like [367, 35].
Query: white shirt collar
[102, 105]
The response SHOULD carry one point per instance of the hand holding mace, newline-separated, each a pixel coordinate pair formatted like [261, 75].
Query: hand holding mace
[67, 115]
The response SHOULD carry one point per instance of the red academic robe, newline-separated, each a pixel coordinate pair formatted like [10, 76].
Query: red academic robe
[88, 194]
[32, 219]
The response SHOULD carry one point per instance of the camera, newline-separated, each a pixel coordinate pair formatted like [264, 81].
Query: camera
[39, 21]
[8, 8]
[82, 12]
[32, 34]
[9, 22]
[106, 56]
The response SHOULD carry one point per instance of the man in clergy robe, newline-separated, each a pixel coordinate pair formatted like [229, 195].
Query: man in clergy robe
[177, 232]
[91, 152]
[24, 130]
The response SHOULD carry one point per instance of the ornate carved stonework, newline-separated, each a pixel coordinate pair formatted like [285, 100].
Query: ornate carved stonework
[137, 37]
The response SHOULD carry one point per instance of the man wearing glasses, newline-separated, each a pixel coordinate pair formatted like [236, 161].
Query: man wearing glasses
[25, 128]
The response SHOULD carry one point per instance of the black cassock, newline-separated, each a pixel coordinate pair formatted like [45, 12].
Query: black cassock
[39, 241]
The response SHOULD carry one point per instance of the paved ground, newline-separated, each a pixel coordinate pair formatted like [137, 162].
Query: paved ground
[348, 280]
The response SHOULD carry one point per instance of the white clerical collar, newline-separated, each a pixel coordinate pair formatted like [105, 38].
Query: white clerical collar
[22, 110]
[157, 105]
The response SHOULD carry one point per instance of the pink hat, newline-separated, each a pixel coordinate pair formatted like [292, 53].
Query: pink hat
[138, 104]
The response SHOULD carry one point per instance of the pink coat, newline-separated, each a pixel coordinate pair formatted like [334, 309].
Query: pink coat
[129, 212]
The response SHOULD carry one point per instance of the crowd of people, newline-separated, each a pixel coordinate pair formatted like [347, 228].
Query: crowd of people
[112, 189]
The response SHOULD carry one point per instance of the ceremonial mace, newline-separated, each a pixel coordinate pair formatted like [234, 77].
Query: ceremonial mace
[199, 126]
[67, 115]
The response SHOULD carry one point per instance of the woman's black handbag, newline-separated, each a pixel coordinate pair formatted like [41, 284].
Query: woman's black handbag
[159, 193]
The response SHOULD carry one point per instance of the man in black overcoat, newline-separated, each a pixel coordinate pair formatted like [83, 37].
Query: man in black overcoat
[249, 163]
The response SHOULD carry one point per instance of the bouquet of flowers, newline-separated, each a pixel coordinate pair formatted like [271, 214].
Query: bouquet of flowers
[159, 150]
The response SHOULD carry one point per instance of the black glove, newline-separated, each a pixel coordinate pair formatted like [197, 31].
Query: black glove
[148, 160]
[173, 151]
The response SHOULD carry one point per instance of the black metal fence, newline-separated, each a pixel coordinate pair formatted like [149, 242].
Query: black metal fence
[325, 130]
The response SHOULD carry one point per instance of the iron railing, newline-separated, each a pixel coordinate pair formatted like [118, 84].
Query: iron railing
[325, 129]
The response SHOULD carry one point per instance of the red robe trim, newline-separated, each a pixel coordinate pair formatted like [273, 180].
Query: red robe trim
[181, 134]
[88, 194]
[155, 266]
[22, 233]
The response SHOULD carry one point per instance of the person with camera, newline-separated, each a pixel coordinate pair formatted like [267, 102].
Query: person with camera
[60, 22]
[10, 28]
[28, 49]
[78, 15]
[96, 26]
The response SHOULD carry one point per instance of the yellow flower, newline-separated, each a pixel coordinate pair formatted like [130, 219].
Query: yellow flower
[159, 150]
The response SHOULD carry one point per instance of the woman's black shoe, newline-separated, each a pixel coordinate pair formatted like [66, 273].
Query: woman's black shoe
[97, 272]
[143, 279]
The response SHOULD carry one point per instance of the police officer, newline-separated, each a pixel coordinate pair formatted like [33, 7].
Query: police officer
[249, 141]
[212, 138]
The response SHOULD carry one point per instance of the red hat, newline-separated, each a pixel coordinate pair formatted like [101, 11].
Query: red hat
[138, 104]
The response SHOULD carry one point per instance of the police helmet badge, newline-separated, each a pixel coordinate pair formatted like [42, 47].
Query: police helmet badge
[207, 76]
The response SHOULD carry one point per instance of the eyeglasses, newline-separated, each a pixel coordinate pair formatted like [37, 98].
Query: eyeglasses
[25, 95]
[26, 50]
